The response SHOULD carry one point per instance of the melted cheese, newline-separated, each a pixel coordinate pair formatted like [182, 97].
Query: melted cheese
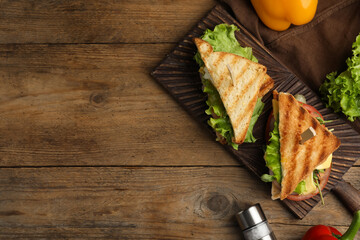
[325, 164]
[309, 184]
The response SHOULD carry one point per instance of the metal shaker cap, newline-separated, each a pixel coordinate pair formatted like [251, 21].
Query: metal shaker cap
[254, 225]
[250, 217]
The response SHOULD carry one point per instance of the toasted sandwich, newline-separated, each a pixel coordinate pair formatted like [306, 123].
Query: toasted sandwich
[300, 149]
[234, 85]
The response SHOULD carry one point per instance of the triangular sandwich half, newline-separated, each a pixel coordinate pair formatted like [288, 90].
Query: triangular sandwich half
[299, 159]
[238, 81]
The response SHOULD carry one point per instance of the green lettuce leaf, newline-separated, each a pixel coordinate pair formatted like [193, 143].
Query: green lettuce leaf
[223, 127]
[222, 38]
[301, 187]
[342, 92]
[257, 111]
[267, 178]
[221, 124]
[273, 160]
[214, 101]
[198, 59]
[272, 154]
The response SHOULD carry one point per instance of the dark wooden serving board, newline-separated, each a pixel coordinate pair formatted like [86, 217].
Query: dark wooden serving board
[178, 74]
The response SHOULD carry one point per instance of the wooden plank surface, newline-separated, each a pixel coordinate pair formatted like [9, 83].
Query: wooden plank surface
[144, 203]
[92, 147]
[103, 21]
[94, 105]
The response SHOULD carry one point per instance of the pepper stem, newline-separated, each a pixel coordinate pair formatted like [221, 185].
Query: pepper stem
[353, 229]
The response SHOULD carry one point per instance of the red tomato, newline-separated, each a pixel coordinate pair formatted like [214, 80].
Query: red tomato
[269, 126]
[324, 177]
[315, 113]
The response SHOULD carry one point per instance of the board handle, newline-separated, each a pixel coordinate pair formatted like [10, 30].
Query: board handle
[349, 195]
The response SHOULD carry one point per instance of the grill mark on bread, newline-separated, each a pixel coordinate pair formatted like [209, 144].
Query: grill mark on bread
[249, 83]
[327, 133]
[285, 131]
[302, 110]
[206, 49]
[245, 88]
[242, 72]
[322, 153]
[314, 123]
[233, 62]
[311, 144]
[243, 135]
[218, 84]
[225, 95]
[267, 84]
[275, 95]
[247, 108]
[250, 107]
[296, 115]
[216, 63]
[290, 99]
[228, 73]
[302, 113]
[248, 111]
[308, 155]
[312, 153]
[218, 58]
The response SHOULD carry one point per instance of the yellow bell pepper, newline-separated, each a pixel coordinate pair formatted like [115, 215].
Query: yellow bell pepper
[280, 14]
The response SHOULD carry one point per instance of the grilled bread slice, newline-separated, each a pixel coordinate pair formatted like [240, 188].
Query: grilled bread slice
[266, 86]
[298, 160]
[238, 82]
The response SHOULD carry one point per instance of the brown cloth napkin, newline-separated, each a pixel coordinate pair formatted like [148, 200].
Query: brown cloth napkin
[312, 50]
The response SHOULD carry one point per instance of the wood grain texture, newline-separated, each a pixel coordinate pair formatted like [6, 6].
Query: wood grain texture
[94, 105]
[143, 203]
[349, 195]
[178, 74]
[92, 147]
[93, 21]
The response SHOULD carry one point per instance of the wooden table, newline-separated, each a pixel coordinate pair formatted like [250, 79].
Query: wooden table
[93, 147]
